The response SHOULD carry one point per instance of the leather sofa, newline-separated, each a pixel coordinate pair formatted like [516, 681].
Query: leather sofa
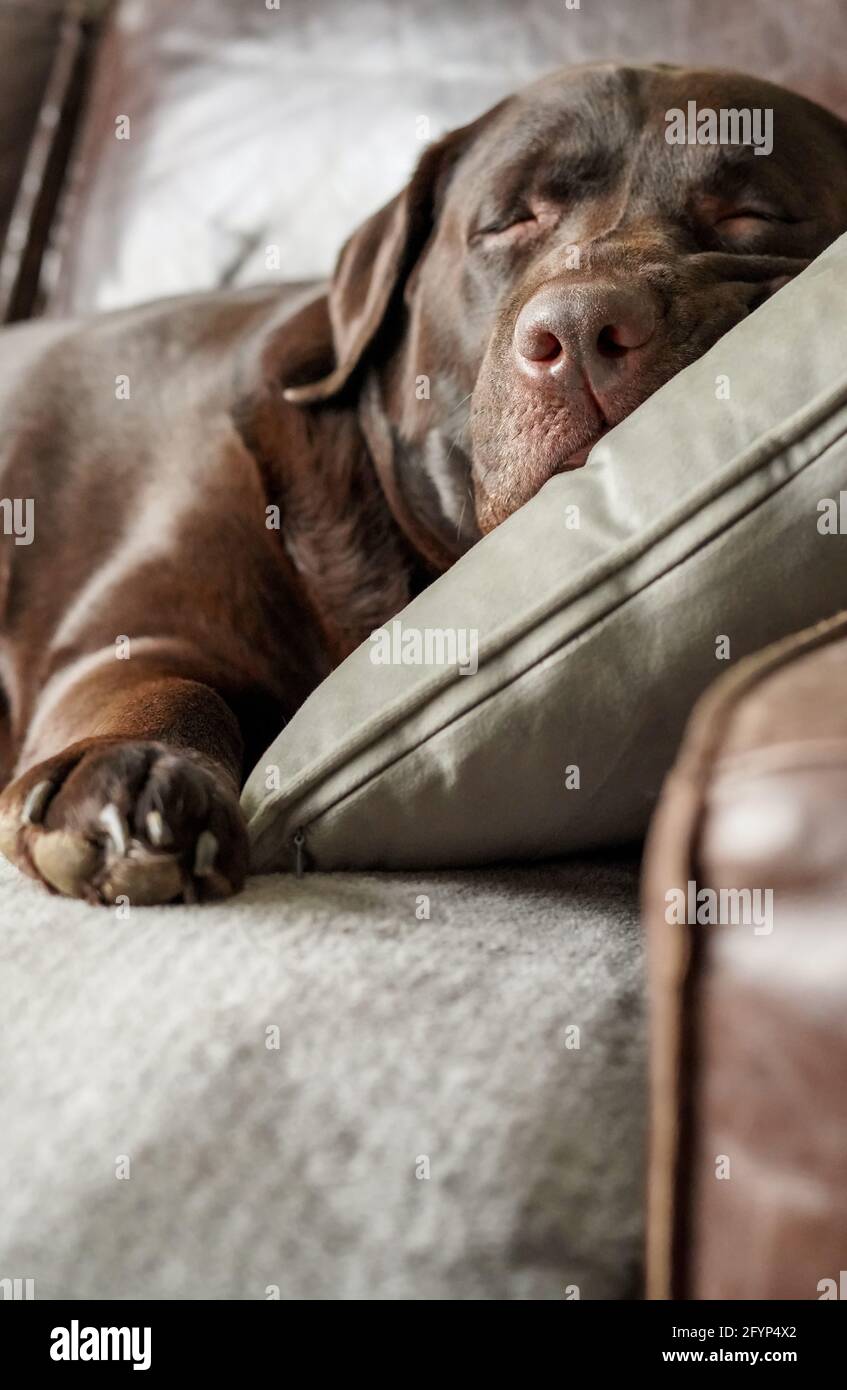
[749, 1111]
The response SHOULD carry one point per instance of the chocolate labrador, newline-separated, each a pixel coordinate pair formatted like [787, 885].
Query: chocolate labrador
[208, 502]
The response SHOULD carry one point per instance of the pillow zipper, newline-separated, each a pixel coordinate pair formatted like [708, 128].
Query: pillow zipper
[299, 842]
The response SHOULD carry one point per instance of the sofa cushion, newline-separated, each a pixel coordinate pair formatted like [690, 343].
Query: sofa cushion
[588, 623]
[363, 1087]
[748, 1171]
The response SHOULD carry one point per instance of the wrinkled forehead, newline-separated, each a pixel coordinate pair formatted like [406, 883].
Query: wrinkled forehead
[591, 126]
[585, 116]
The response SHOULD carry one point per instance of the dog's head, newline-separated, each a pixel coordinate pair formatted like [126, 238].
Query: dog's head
[551, 265]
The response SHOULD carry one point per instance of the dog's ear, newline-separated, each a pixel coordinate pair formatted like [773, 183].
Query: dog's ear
[376, 261]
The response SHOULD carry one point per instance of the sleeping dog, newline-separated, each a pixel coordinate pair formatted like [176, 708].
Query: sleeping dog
[220, 496]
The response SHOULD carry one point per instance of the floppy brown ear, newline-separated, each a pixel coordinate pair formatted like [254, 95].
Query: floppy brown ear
[375, 262]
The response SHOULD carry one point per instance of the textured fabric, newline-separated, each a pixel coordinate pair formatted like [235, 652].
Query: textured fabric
[399, 1039]
[597, 627]
[256, 128]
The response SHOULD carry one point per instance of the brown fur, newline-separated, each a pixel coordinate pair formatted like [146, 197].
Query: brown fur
[151, 513]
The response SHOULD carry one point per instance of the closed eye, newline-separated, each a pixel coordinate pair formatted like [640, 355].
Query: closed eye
[732, 217]
[745, 220]
[747, 214]
[515, 226]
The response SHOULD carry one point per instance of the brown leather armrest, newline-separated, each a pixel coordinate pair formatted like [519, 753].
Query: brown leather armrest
[46, 47]
[748, 1170]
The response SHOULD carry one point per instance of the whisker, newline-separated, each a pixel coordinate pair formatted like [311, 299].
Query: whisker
[461, 403]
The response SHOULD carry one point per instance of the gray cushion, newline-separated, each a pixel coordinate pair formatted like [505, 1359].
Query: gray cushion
[697, 542]
[400, 1037]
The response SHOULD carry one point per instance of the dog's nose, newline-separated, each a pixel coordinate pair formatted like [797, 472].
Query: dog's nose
[567, 333]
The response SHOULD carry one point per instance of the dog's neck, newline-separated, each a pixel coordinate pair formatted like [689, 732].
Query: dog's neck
[361, 541]
[358, 562]
[382, 444]
[351, 555]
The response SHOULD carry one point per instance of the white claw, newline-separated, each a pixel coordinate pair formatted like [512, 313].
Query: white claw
[111, 819]
[35, 803]
[158, 832]
[205, 854]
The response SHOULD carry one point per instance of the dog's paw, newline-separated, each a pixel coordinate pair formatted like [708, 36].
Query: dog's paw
[141, 821]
